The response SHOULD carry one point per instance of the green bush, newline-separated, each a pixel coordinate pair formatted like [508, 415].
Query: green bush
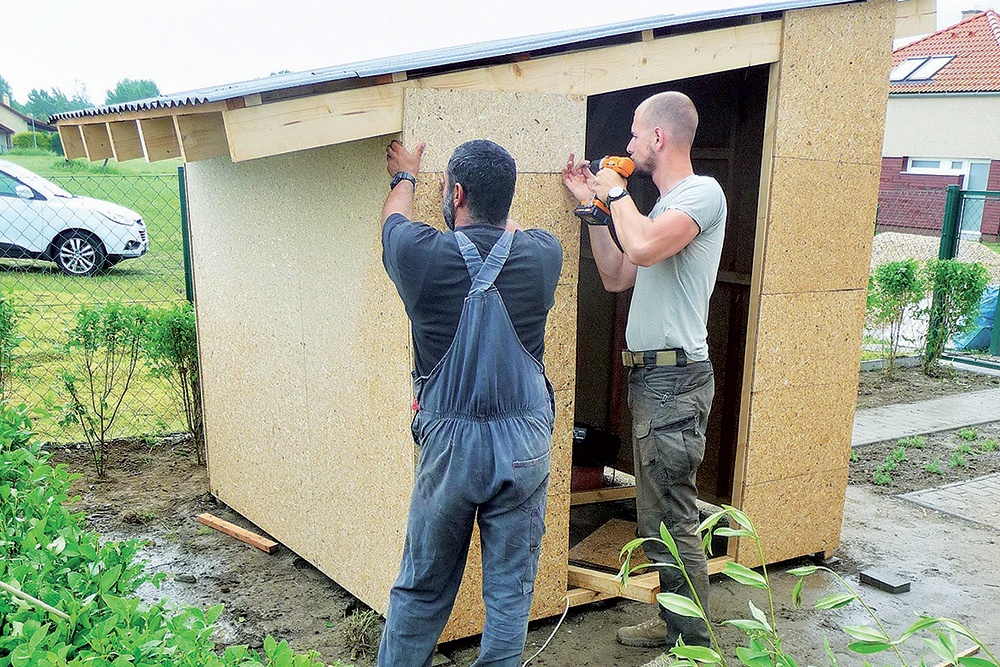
[31, 140]
[957, 287]
[172, 354]
[55, 144]
[48, 554]
[895, 289]
[10, 339]
[105, 343]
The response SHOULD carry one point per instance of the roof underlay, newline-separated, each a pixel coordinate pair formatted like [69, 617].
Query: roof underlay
[295, 112]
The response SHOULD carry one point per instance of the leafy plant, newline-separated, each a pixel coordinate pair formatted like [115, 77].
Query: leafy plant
[9, 341]
[914, 442]
[108, 339]
[968, 434]
[964, 448]
[957, 288]
[172, 354]
[897, 455]
[934, 467]
[989, 445]
[764, 647]
[853, 457]
[362, 632]
[73, 602]
[958, 461]
[895, 289]
[881, 477]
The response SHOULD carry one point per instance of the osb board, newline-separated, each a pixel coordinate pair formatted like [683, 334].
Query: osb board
[821, 217]
[560, 339]
[808, 339]
[305, 357]
[794, 517]
[561, 463]
[835, 62]
[538, 129]
[540, 201]
[550, 584]
[790, 436]
[603, 547]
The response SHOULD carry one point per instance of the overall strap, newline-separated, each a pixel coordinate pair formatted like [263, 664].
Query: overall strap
[484, 272]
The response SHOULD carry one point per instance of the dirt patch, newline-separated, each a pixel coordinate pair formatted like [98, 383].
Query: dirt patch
[909, 385]
[930, 460]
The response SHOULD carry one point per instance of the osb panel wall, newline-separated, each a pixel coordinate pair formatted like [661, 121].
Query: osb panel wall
[831, 99]
[305, 356]
[539, 131]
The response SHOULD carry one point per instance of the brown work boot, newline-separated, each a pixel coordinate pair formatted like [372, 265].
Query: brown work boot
[648, 634]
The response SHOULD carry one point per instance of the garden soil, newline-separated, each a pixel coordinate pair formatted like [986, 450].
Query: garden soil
[155, 490]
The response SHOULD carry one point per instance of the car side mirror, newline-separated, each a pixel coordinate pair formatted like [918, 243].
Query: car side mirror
[24, 192]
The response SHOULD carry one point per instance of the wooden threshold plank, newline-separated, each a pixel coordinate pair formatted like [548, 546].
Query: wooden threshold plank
[715, 565]
[642, 588]
[602, 495]
[243, 535]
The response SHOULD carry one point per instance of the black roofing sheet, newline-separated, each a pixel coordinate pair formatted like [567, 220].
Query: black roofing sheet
[454, 55]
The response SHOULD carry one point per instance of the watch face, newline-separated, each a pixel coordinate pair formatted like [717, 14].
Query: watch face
[616, 192]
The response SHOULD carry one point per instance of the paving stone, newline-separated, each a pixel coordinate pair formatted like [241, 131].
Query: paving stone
[891, 422]
[976, 500]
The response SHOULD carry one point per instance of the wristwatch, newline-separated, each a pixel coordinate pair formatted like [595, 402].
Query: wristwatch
[403, 176]
[616, 193]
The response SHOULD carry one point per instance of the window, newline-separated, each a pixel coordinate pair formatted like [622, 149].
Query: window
[957, 164]
[926, 164]
[919, 69]
[8, 185]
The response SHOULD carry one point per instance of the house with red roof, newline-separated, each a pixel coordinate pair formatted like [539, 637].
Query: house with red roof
[943, 128]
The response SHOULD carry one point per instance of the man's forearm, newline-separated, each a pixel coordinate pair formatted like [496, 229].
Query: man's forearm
[617, 273]
[400, 200]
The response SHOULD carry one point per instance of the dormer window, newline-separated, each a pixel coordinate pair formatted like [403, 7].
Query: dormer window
[919, 69]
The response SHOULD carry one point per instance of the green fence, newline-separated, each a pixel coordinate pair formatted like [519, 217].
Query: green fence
[58, 253]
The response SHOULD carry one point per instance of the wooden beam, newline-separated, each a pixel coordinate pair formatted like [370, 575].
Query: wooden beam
[243, 535]
[578, 596]
[602, 495]
[717, 564]
[72, 141]
[97, 142]
[125, 141]
[202, 136]
[359, 113]
[642, 588]
[159, 138]
[756, 287]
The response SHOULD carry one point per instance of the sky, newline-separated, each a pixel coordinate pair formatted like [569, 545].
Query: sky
[188, 44]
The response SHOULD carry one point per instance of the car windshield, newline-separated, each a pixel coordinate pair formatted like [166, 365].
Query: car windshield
[33, 180]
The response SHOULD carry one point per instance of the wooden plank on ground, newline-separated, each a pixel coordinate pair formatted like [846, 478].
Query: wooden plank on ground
[242, 534]
[602, 495]
[642, 588]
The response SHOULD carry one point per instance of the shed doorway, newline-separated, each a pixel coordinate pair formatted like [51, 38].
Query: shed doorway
[732, 108]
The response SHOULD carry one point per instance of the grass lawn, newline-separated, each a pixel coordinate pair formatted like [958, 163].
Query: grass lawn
[995, 247]
[47, 300]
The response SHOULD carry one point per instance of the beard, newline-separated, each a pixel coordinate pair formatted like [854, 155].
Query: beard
[448, 210]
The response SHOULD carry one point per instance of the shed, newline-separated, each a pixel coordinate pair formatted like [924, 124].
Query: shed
[305, 347]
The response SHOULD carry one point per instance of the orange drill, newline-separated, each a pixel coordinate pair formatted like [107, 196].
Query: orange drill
[596, 212]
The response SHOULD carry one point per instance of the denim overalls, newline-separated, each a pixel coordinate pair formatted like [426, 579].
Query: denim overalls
[484, 426]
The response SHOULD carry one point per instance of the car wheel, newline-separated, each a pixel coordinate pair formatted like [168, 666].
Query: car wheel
[79, 254]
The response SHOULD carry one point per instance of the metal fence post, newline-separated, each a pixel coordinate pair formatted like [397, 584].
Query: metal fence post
[950, 223]
[995, 337]
[185, 238]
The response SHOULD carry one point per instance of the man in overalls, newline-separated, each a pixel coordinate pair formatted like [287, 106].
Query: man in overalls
[671, 258]
[478, 296]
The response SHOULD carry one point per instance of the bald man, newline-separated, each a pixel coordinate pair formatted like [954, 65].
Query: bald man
[671, 258]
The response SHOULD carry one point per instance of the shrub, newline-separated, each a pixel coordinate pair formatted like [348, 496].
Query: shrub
[31, 140]
[108, 339]
[48, 554]
[172, 354]
[957, 287]
[895, 289]
[55, 144]
[9, 341]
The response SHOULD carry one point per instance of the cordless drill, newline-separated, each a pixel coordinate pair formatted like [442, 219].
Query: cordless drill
[596, 212]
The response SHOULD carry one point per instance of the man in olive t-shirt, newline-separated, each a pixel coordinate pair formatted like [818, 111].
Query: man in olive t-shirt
[671, 258]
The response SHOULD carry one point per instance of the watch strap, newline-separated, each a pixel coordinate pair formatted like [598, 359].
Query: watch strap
[624, 193]
[403, 176]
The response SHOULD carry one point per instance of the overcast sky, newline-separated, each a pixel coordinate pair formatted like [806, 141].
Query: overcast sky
[186, 44]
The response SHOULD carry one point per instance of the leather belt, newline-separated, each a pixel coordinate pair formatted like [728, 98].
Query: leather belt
[643, 358]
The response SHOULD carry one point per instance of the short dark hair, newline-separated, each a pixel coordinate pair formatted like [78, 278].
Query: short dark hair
[487, 173]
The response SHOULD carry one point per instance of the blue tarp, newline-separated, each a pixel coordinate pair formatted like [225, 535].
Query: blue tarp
[978, 338]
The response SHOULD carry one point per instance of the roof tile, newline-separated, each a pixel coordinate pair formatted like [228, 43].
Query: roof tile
[975, 43]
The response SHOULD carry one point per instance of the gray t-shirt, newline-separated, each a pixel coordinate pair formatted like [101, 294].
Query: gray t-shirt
[670, 301]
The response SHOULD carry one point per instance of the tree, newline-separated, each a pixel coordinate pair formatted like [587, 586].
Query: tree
[4, 88]
[129, 90]
[43, 103]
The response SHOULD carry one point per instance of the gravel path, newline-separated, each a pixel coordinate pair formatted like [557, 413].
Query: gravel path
[894, 246]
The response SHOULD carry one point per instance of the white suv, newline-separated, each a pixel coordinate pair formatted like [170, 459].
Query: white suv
[40, 220]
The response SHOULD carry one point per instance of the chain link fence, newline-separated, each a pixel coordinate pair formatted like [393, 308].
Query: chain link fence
[911, 224]
[71, 241]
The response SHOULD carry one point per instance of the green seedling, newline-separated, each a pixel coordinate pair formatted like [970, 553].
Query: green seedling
[990, 445]
[897, 455]
[934, 467]
[968, 434]
[854, 456]
[881, 477]
[964, 448]
[958, 461]
[913, 442]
